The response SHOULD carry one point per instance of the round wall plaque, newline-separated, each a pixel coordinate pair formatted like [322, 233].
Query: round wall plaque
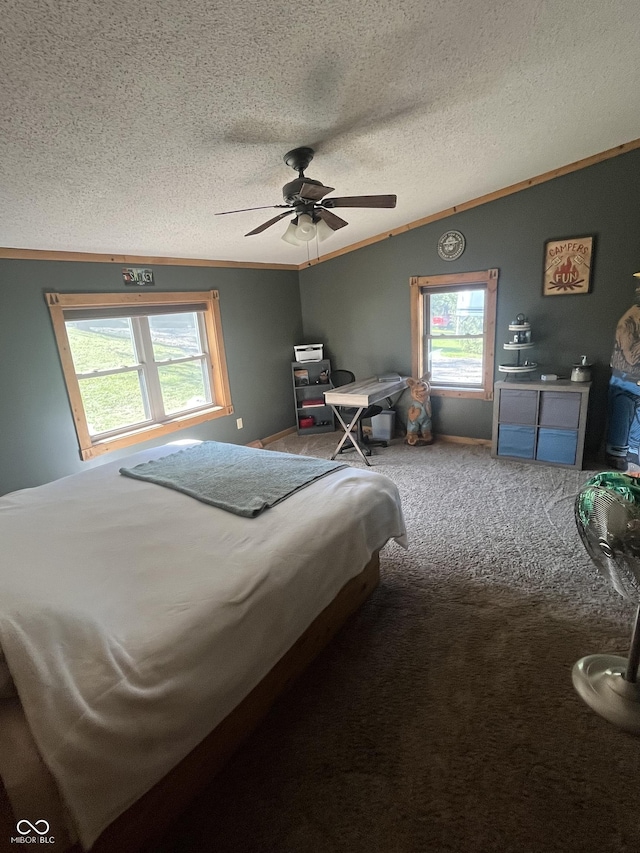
[451, 245]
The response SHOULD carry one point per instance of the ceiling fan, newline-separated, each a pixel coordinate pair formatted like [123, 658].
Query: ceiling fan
[305, 199]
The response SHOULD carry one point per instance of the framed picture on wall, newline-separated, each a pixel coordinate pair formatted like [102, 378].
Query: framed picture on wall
[567, 266]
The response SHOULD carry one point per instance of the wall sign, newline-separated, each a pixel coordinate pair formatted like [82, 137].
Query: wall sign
[137, 277]
[451, 245]
[567, 266]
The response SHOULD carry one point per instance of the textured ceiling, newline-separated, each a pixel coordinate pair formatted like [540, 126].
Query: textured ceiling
[125, 126]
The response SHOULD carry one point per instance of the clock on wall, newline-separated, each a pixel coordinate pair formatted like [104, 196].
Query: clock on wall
[451, 245]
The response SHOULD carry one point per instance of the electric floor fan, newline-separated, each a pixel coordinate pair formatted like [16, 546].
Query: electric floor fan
[607, 512]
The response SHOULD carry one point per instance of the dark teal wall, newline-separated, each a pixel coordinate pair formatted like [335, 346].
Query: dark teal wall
[261, 321]
[358, 304]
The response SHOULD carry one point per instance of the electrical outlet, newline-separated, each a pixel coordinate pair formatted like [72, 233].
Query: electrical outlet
[239, 423]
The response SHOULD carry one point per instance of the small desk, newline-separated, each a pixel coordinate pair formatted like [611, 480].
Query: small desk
[359, 395]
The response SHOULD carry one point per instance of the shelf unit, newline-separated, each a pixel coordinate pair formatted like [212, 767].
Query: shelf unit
[310, 380]
[540, 422]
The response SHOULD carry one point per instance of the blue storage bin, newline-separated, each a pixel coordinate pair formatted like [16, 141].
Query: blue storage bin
[557, 445]
[516, 441]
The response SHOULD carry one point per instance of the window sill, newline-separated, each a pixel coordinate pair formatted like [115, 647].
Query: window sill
[469, 393]
[148, 433]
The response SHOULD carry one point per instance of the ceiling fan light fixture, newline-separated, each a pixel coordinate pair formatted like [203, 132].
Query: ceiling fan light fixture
[289, 235]
[322, 230]
[305, 229]
[306, 198]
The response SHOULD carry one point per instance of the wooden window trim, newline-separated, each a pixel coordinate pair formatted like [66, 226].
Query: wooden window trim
[89, 449]
[487, 278]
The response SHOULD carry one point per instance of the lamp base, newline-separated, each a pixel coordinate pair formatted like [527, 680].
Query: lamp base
[600, 682]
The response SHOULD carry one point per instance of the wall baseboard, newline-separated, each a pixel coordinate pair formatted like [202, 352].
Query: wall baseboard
[271, 438]
[463, 439]
[452, 439]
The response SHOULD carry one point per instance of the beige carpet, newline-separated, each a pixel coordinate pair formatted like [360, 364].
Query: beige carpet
[443, 717]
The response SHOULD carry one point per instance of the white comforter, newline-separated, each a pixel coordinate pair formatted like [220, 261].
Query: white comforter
[134, 618]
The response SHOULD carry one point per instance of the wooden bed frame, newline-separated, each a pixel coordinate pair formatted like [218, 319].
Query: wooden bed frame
[148, 819]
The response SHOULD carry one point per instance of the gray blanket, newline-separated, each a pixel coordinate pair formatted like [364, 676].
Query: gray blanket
[242, 480]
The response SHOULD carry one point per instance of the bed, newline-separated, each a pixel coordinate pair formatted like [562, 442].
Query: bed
[144, 633]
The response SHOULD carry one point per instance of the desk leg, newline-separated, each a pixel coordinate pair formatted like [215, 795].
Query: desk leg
[348, 435]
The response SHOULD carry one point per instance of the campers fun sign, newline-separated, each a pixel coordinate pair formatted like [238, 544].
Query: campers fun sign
[567, 266]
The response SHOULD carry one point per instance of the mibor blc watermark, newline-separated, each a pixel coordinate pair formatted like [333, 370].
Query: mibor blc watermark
[32, 833]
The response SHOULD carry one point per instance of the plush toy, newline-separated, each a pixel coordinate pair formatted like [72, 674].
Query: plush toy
[419, 412]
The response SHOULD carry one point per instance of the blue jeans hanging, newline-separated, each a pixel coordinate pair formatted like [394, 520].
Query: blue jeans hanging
[624, 425]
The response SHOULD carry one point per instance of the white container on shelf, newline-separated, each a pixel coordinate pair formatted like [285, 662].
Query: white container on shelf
[308, 352]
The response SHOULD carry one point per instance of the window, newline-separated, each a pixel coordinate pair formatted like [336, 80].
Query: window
[138, 365]
[453, 320]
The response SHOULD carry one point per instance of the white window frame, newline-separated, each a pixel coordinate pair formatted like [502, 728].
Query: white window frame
[420, 288]
[207, 306]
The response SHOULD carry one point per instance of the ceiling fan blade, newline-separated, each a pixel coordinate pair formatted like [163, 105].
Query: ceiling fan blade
[265, 225]
[244, 209]
[334, 222]
[313, 192]
[362, 201]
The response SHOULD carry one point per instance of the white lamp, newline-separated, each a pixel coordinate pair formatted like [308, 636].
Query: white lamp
[322, 230]
[305, 229]
[301, 230]
[289, 235]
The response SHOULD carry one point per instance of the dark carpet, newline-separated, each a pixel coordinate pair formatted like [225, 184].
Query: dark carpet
[443, 717]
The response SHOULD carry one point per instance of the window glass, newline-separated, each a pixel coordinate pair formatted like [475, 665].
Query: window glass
[113, 401]
[183, 386]
[453, 320]
[441, 312]
[455, 351]
[174, 335]
[118, 400]
[139, 366]
[101, 344]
